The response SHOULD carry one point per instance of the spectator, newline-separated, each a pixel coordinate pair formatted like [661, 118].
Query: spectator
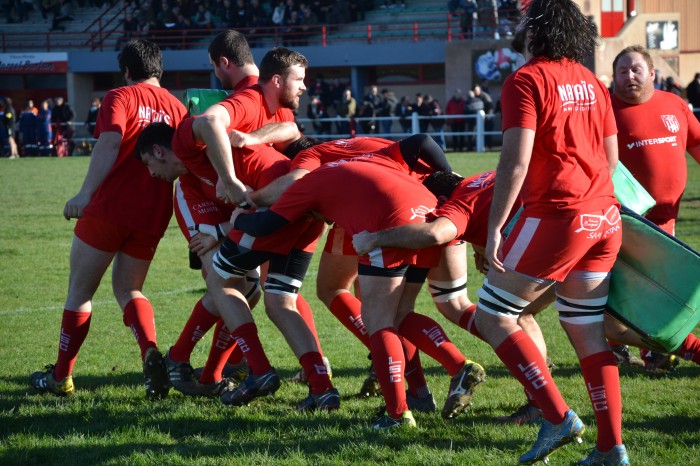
[455, 106]
[430, 108]
[7, 128]
[346, 109]
[62, 116]
[278, 14]
[341, 12]
[693, 93]
[27, 129]
[291, 30]
[165, 16]
[316, 111]
[202, 19]
[472, 107]
[242, 15]
[366, 112]
[62, 11]
[322, 89]
[336, 91]
[44, 134]
[659, 82]
[91, 120]
[386, 109]
[404, 110]
[309, 21]
[670, 85]
[467, 16]
[373, 97]
[488, 110]
[130, 27]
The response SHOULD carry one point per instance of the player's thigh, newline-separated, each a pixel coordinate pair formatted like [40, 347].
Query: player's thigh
[381, 295]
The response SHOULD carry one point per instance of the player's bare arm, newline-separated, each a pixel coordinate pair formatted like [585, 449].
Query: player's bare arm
[410, 236]
[104, 154]
[268, 195]
[279, 134]
[510, 175]
[611, 152]
[210, 129]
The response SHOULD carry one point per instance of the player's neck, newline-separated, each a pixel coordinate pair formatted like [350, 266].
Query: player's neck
[150, 81]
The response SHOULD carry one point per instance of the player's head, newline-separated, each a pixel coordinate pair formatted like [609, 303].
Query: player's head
[142, 59]
[154, 149]
[299, 145]
[231, 45]
[633, 75]
[285, 70]
[442, 183]
[556, 29]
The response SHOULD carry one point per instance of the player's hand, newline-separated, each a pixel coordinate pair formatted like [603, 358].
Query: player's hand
[74, 207]
[231, 193]
[201, 243]
[362, 242]
[493, 251]
[482, 265]
[240, 139]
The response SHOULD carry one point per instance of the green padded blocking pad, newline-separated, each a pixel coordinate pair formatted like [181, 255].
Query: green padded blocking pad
[655, 286]
[629, 192]
[198, 100]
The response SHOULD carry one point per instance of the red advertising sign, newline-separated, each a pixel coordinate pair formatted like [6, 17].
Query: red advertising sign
[33, 63]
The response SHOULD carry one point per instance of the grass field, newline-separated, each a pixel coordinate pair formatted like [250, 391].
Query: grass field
[109, 421]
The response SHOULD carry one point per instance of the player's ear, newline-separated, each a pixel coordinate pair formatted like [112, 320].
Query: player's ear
[277, 80]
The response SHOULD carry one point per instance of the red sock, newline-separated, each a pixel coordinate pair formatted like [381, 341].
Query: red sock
[525, 362]
[346, 308]
[236, 356]
[246, 337]
[199, 323]
[222, 346]
[467, 322]
[430, 338]
[415, 378]
[138, 316]
[316, 372]
[690, 349]
[308, 316]
[388, 361]
[74, 329]
[603, 385]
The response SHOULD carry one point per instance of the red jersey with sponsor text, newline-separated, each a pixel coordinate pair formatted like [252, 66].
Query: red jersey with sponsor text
[569, 109]
[315, 156]
[128, 195]
[652, 140]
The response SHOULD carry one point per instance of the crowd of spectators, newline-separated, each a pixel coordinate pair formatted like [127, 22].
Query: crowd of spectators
[47, 130]
[293, 20]
[487, 19]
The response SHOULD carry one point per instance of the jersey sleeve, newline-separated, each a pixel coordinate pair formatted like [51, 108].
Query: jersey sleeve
[455, 212]
[184, 143]
[113, 114]
[518, 102]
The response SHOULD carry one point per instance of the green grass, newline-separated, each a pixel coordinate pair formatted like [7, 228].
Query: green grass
[108, 421]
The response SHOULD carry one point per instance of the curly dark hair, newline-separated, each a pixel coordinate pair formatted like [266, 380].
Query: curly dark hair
[442, 183]
[557, 29]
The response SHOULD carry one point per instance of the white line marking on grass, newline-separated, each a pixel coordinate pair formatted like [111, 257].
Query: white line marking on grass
[59, 307]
